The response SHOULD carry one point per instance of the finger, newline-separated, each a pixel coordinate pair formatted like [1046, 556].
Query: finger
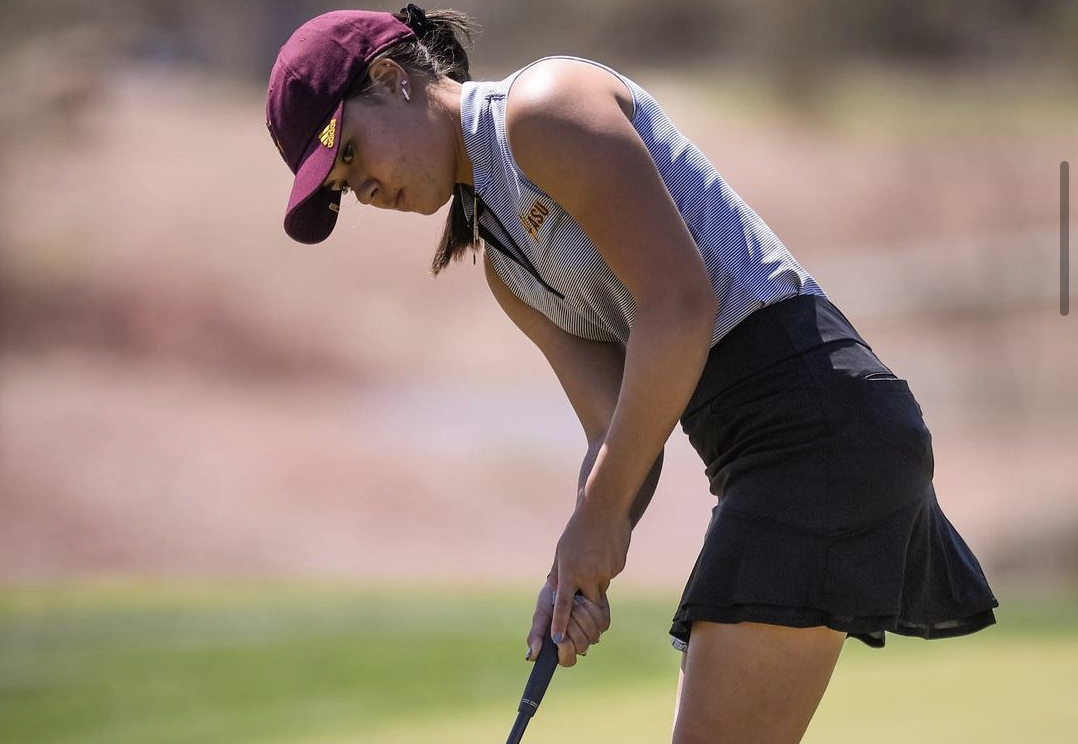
[559, 625]
[566, 655]
[540, 622]
[563, 606]
[588, 618]
[578, 637]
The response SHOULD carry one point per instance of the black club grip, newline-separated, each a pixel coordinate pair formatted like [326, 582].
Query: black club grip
[538, 681]
[539, 678]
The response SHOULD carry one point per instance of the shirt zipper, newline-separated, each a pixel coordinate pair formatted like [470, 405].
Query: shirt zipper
[516, 255]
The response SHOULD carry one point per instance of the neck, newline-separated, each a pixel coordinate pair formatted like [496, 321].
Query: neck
[445, 96]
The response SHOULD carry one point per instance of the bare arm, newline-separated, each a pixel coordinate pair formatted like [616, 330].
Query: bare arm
[570, 134]
[590, 373]
[643, 494]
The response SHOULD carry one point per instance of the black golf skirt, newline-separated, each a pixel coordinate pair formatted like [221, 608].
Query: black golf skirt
[822, 466]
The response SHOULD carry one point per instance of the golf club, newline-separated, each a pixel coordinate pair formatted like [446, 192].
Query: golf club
[535, 688]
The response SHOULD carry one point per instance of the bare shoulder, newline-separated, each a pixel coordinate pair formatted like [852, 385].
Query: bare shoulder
[567, 92]
[566, 120]
[571, 136]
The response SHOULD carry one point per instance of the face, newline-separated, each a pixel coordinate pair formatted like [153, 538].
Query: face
[395, 153]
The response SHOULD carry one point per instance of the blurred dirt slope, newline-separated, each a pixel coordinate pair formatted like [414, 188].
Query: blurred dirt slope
[184, 391]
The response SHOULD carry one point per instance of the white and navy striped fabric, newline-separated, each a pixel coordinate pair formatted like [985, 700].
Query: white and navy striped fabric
[546, 260]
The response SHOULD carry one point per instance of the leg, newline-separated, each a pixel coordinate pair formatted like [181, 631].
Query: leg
[748, 682]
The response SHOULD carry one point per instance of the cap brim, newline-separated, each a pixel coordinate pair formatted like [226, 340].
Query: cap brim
[312, 209]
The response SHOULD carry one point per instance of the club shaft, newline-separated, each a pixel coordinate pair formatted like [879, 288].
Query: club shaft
[518, 729]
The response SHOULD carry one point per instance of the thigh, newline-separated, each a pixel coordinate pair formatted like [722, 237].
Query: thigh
[751, 682]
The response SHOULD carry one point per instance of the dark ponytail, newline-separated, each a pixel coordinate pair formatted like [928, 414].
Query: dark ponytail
[438, 51]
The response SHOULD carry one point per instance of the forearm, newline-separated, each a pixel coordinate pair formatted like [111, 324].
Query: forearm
[640, 502]
[646, 491]
[643, 494]
[663, 361]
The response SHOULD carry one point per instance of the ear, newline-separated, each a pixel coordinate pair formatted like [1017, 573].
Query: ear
[388, 78]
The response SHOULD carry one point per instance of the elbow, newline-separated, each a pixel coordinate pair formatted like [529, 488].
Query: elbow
[704, 303]
[685, 304]
[596, 438]
[696, 306]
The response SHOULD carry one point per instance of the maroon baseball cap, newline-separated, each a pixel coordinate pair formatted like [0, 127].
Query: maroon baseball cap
[304, 103]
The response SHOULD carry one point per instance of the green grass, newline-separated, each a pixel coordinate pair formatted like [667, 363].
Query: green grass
[310, 665]
[1013, 682]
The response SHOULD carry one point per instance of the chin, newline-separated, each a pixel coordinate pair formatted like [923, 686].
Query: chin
[429, 209]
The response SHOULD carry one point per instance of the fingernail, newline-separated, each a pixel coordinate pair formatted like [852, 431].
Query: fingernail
[528, 656]
[558, 637]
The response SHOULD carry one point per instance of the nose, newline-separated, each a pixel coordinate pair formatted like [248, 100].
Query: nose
[365, 194]
[380, 198]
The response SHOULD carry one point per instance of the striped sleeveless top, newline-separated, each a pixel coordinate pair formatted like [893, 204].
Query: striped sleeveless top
[546, 260]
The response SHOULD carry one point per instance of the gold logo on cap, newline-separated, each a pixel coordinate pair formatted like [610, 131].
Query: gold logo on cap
[329, 133]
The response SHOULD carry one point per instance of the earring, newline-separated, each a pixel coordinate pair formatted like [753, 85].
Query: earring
[404, 91]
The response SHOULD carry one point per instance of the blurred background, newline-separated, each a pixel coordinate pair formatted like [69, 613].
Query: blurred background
[226, 456]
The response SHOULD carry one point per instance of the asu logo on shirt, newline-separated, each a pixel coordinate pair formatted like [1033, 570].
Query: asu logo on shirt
[533, 220]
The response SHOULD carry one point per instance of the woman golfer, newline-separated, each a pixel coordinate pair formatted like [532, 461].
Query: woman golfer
[658, 296]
